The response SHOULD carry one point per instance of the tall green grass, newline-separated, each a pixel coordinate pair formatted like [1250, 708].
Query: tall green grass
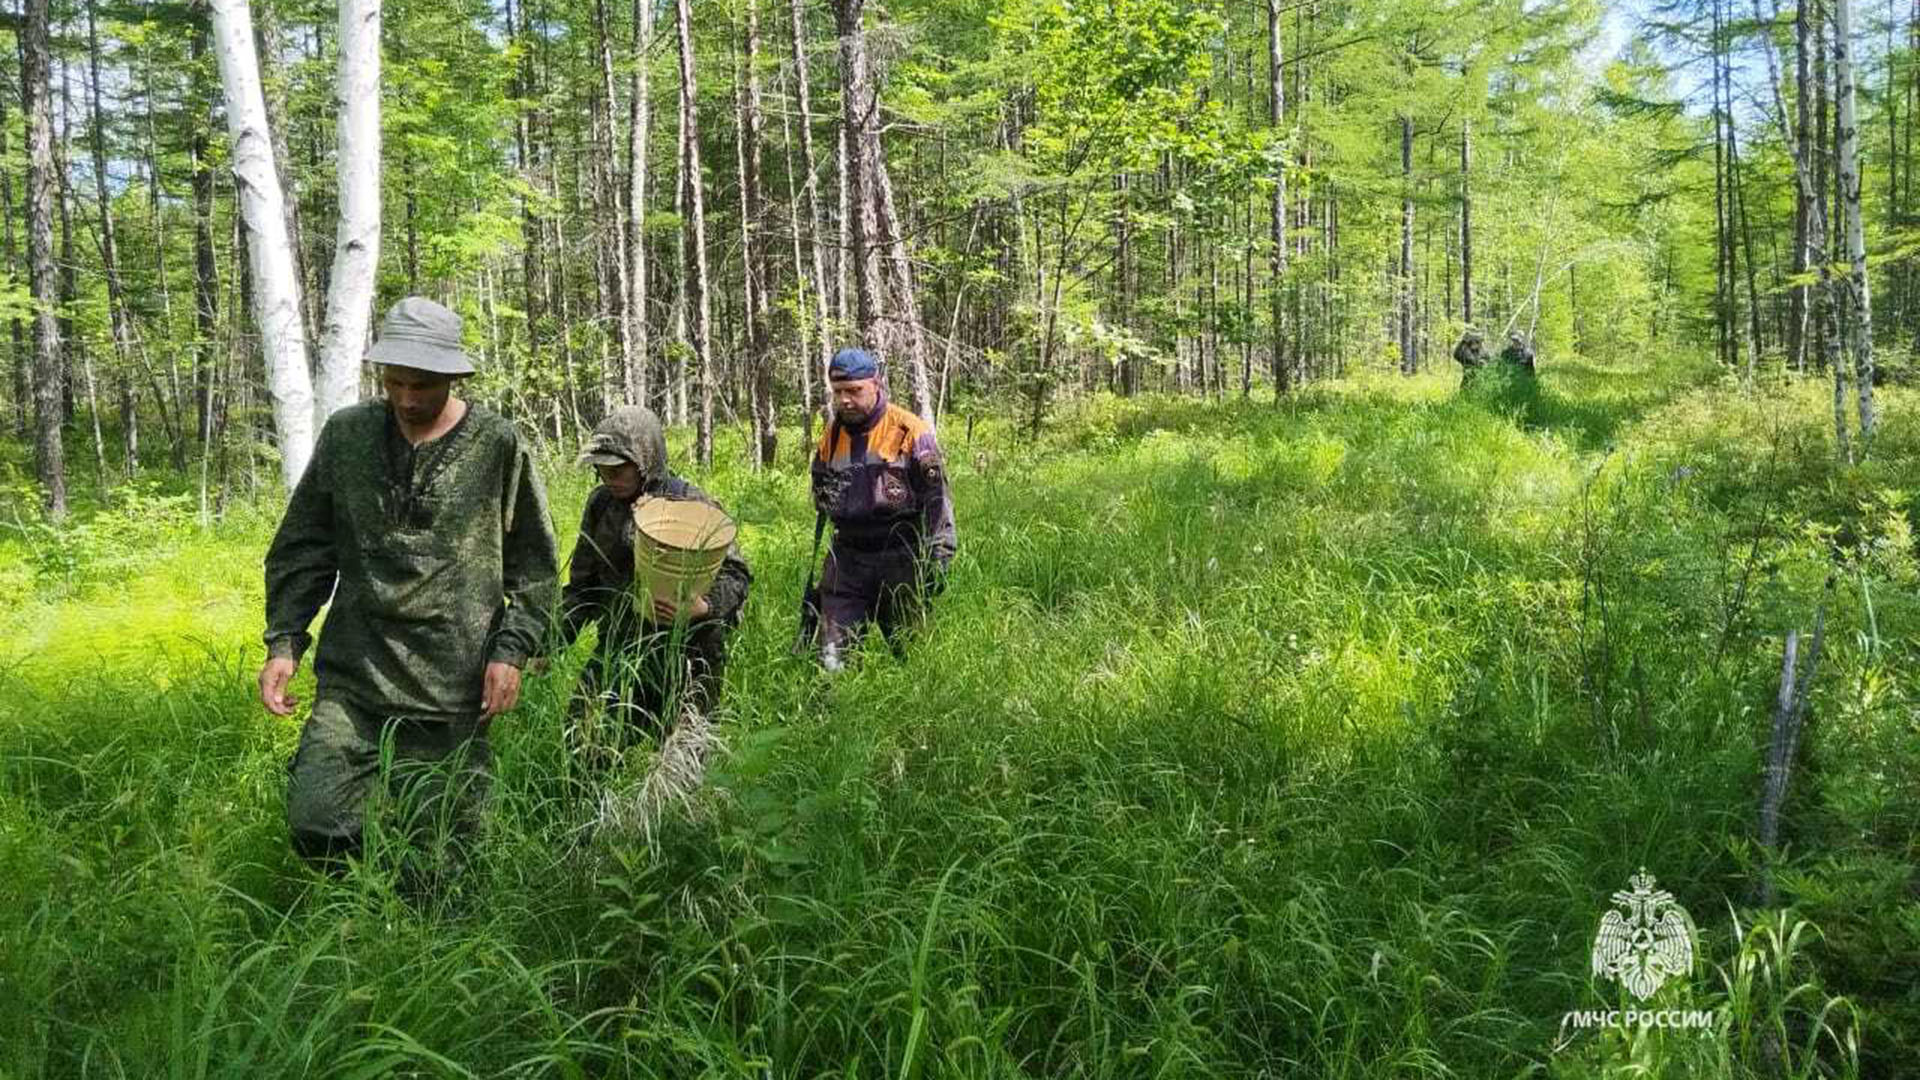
[1296, 740]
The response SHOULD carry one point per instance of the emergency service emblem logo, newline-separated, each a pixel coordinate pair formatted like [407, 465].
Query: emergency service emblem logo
[1646, 940]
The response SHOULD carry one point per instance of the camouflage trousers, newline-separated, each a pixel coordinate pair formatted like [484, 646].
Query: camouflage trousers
[426, 778]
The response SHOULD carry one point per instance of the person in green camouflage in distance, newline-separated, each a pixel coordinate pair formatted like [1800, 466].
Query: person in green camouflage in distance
[650, 664]
[1471, 355]
[421, 518]
[1518, 353]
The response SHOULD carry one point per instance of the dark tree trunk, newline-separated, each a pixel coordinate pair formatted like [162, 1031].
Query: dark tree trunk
[22, 355]
[36, 92]
[815, 220]
[1277, 225]
[1466, 222]
[1409, 360]
[755, 276]
[1797, 308]
[206, 274]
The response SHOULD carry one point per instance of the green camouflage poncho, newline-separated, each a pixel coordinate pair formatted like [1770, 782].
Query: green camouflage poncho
[439, 559]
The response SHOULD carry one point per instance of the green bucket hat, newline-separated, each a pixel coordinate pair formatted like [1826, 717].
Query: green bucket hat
[418, 333]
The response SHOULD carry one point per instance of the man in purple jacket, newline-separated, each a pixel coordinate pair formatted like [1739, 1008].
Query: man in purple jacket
[878, 475]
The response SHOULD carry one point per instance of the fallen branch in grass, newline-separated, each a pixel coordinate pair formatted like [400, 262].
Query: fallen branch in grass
[677, 774]
[1789, 714]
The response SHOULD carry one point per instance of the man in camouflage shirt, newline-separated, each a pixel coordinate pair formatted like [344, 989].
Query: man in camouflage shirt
[422, 519]
[652, 662]
[1518, 353]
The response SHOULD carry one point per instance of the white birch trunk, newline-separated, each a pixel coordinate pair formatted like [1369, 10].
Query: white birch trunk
[1861, 328]
[357, 243]
[276, 286]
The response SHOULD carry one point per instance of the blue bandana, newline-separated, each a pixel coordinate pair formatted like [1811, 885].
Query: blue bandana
[853, 364]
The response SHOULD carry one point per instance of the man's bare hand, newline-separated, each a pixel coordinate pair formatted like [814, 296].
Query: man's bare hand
[666, 611]
[501, 691]
[274, 677]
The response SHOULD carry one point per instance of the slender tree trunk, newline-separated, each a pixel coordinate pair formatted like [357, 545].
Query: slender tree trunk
[22, 355]
[36, 94]
[119, 319]
[1861, 327]
[1894, 306]
[859, 106]
[1409, 362]
[904, 316]
[753, 254]
[1466, 222]
[804, 368]
[815, 228]
[691, 184]
[1911, 90]
[1722, 211]
[276, 286]
[206, 279]
[1802, 197]
[1123, 229]
[1277, 226]
[356, 251]
[844, 307]
[615, 226]
[268, 50]
[411, 225]
[172, 399]
[1737, 191]
[531, 232]
[73, 345]
[233, 381]
[1827, 298]
[634, 375]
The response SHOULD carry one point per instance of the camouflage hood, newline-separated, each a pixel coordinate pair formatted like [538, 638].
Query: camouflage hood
[632, 433]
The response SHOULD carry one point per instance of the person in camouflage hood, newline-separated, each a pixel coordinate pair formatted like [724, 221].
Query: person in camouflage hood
[422, 521]
[1470, 354]
[652, 662]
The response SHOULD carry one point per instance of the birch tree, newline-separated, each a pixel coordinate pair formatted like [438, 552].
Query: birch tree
[1860, 327]
[276, 285]
[356, 253]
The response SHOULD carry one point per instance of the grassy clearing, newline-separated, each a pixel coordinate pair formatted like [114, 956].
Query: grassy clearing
[1301, 740]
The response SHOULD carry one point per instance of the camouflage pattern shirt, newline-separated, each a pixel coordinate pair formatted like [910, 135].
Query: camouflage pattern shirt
[600, 574]
[438, 558]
